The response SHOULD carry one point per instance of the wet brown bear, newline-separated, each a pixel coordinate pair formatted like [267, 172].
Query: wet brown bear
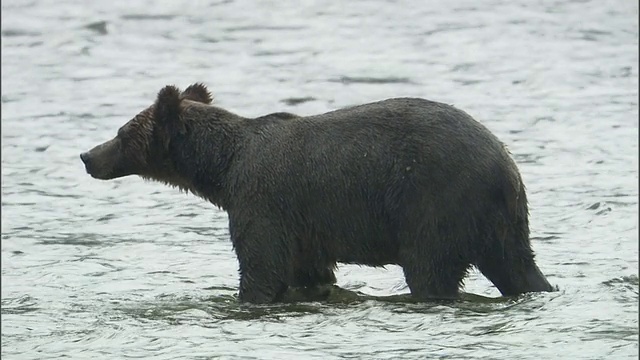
[402, 181]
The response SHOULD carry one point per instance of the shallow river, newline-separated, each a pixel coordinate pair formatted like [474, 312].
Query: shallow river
[129, 269]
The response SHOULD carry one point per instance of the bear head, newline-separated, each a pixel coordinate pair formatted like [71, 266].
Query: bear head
[141, 146]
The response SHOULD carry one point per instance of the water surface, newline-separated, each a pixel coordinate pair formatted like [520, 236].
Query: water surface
[128, 269]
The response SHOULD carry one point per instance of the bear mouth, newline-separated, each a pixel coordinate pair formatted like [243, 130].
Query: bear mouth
[94, 174]
[89, 167]
[99, 177]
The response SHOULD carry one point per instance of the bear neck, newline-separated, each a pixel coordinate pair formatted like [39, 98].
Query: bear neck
[202, 157]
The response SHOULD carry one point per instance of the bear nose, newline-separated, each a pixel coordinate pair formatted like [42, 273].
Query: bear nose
[84, 157]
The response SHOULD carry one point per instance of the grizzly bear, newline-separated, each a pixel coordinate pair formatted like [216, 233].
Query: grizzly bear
[403, 181]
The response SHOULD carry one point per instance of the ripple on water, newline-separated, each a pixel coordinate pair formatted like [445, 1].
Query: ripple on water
[19, 305]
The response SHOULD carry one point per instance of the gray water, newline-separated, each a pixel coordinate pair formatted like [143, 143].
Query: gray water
[130, 269]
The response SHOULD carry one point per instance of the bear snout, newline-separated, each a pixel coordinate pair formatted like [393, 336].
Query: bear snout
[85, 158]
[107, 161]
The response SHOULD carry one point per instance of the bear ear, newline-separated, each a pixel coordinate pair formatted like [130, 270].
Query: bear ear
[167, 111]
[168, 104]
[198, 92]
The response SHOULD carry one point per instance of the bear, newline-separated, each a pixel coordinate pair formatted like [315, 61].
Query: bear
[404, 181]
[278, 116]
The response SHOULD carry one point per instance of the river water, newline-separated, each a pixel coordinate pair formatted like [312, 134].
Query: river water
[130, 269]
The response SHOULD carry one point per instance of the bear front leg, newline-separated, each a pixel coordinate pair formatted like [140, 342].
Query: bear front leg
[264, 260]
[310, 277]
[433, 276]
[311, 266]
[258, 284]
[323, 276]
